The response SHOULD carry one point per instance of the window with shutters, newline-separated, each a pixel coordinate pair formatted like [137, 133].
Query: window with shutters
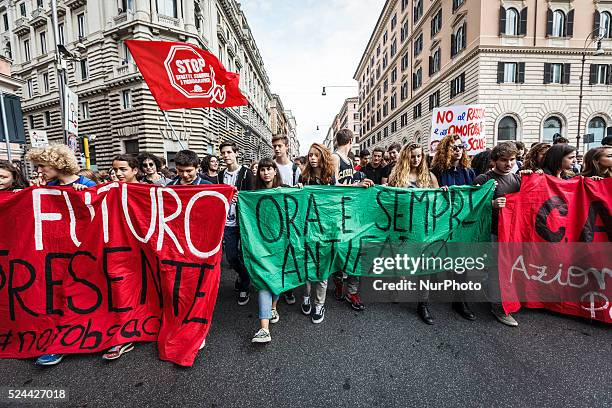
[404, 31]
[405, 61]
[435, 61]
[416, 111]
[393, 47]
[404, 91]
[417, 78]
[458, 40]
[512, 22]
[385, 109]
[418, 10]
[393, 101]
[602, 76]
[457, 4]
[404, 120]
[605, 24]
[556, 73]
[558, 24]
[434, 100]
[394, 126]
[510, 72]
[457, 85]
[418, 45]
[436, 23]
[394, 75]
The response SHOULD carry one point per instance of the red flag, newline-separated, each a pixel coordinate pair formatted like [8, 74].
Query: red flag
[181, 75]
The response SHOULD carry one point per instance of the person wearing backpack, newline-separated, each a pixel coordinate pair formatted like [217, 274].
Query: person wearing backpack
[290, 174]
[241, 178]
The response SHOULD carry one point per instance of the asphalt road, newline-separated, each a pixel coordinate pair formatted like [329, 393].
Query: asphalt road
[382, 357]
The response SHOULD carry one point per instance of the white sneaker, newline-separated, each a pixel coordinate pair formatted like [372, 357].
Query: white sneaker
[319, 314]
[262, 336]
[306, 306]
[275, 316]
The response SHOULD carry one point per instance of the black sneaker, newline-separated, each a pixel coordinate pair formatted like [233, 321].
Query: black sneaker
[289, 297]
[306, 305]
[319, 314]
[243, 298]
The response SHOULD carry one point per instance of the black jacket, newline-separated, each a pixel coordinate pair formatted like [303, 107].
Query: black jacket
[244, 181]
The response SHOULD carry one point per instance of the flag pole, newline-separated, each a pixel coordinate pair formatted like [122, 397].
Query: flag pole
[172, 128]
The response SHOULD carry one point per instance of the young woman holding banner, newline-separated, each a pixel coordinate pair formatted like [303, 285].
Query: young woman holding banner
[598, 163]
[268, 176]
[126, 169]
[411, 171]
[451, 165]
[559, 161]
[318, 171]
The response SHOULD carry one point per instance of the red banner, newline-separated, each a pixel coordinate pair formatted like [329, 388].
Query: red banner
[565, 228]
[83, 271]
[181, 75]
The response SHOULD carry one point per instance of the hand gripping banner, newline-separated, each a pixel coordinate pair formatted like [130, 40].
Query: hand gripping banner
[83, 271]
[555, 248]
[181, 75]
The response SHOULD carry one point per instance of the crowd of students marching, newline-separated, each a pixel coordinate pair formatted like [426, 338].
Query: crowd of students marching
[405, 166]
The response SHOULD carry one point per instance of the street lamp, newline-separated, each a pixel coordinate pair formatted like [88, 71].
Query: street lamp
[598, 51]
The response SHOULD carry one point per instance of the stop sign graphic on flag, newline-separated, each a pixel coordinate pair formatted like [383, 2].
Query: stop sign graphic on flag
[181, 75]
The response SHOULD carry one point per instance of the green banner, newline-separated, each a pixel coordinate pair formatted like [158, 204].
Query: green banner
[291, 235]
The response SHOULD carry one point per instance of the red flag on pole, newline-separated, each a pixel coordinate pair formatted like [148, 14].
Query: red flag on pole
[181, 75]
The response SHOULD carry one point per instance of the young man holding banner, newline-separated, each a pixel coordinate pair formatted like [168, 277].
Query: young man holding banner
[504, 158]
[290, 174]
[242, 179]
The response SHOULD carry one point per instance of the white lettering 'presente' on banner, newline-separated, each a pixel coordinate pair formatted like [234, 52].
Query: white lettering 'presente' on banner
[467, 121]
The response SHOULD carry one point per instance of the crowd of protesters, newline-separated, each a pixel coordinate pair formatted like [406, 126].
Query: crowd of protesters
[406, 166]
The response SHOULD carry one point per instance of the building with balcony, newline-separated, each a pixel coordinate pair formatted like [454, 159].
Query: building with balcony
[115, 104]
[519, 58]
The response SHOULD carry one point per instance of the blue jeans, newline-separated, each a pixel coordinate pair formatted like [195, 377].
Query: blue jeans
[233, 254]
[265, 304]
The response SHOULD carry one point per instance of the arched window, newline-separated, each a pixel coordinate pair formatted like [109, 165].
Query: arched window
[597, 126]
[417, 137]
[512, 21]
[552, 127]
[605, 25]
[506, 130]
[459, 39]
[558, 24]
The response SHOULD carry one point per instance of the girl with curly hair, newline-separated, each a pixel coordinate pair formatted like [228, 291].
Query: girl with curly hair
[535, 157]
[58, 166]
[318, 171]
[11, 178]
[451, 164]
[411, 169]
[320, 167]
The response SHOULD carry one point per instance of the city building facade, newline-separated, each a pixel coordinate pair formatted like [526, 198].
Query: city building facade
[278, 118]
[521, 59]
[294, 143]
[115, 106]
[9, 86]
[348, 118]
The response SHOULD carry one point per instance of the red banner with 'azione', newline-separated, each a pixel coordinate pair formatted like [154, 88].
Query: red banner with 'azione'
[83, 271]
[555, 251]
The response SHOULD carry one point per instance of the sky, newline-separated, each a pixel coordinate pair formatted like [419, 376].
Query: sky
[308, 44]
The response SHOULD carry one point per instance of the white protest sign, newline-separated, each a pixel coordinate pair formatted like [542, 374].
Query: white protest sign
[467, 121]
[38, 138]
